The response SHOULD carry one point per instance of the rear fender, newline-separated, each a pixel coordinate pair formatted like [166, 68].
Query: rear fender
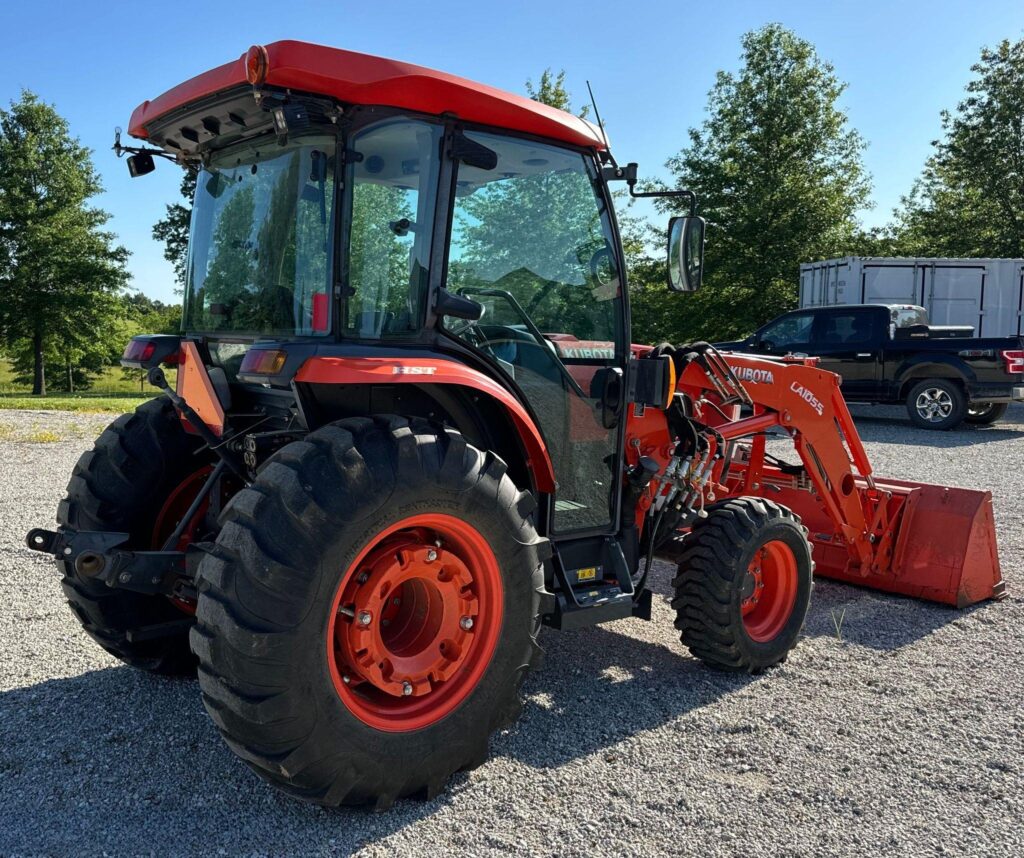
[918, 367]
[437, 371]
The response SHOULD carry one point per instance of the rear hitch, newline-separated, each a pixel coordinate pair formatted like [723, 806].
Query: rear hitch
[95, 555]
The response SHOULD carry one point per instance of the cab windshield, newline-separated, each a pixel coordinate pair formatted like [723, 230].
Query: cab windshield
[259, 245]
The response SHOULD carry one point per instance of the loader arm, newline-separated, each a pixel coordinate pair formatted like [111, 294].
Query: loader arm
[921, 540]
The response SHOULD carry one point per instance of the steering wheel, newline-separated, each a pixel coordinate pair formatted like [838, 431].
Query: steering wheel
[534, 332]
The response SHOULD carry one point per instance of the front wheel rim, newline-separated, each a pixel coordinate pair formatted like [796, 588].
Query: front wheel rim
[769, 591]
[415, 622]
[934, 404]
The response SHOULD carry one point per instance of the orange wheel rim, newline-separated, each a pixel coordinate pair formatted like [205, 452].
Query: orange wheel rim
[414, 622]
[769, 591]
[173, 510]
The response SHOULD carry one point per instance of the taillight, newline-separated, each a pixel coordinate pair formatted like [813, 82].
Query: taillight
[263, 362]
[139, 350]
[1014, 360]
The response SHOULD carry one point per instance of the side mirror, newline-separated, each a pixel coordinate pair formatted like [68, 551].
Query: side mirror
[685, 253]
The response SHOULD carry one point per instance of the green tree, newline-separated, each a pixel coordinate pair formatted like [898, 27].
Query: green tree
[59, 270]
[969, 200]
[779, 176]
[173, 228]
[550, 90]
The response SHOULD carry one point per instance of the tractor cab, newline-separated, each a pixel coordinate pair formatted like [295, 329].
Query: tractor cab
[323, 225]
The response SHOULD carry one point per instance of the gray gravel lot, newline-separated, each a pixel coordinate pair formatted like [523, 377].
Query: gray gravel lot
[904, 737]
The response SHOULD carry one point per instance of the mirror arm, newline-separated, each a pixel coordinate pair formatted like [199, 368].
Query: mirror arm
[628, 174]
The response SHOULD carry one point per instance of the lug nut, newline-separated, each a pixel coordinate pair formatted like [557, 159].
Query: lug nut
[406, 689]
[346, 679]
[363, 577]
[466, 623]
[431, 556]
[124, 577]
[364, 618]
[396, 601]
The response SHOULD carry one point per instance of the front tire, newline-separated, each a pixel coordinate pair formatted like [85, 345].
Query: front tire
[743, 585]
[370, 611]
[936, 403]
[984, 413]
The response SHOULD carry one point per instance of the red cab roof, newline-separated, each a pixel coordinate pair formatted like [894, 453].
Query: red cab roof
[364, 79]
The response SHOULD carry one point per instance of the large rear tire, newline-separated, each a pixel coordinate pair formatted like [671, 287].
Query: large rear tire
[141, 466]
[370, 611]
[743, 585]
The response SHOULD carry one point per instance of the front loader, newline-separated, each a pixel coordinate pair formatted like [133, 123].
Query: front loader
[408, 428]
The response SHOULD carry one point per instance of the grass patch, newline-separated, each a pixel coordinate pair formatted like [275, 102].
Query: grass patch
[41, 436]
[81, 402]
[109, 385]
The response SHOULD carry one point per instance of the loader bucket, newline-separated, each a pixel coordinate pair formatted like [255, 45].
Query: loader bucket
[943, 545]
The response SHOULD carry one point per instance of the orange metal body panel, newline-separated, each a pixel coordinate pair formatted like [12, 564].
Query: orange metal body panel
[195, 387]
[393, 370]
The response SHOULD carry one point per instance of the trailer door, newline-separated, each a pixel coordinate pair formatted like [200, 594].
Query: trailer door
[889, 284]
[956, 295]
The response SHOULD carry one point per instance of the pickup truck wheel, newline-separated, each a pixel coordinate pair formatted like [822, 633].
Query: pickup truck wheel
[983, 413]
[936, 403]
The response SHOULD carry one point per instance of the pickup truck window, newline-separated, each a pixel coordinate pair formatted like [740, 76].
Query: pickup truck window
[907, 317]
[844, 328]
[792, 330]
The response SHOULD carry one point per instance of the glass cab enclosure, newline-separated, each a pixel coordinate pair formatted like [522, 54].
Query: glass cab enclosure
[352, 234]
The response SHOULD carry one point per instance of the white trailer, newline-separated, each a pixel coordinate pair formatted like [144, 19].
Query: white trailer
[987, 294]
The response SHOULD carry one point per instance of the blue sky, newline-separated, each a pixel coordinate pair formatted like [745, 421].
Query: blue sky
[651, 65]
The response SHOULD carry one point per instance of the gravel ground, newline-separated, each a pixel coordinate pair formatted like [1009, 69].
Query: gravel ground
[902, 738]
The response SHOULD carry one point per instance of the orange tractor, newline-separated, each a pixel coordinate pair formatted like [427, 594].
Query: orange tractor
[409, 428]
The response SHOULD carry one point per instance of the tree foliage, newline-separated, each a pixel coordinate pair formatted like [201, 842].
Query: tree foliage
[779, 176]
[969, 200]
[550, 90]
[60, 272]
[173, 228]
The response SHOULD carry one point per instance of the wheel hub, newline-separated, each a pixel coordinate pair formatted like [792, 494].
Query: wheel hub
[408, 616]
[934, 404]
[769, 589]
[415, 621]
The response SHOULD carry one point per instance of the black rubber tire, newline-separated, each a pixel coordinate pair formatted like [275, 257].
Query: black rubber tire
[985, 413]
[712, 568]
[121, 485]
[266, 592]
[945, 386]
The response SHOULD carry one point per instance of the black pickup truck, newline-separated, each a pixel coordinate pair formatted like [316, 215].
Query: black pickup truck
[889, 353]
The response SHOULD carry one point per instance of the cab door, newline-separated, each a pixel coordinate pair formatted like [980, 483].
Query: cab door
[531, 241]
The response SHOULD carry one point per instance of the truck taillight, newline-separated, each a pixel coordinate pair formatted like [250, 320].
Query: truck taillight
[1014, 360]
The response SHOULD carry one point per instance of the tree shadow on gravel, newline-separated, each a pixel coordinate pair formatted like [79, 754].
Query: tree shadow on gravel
[119, 761]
